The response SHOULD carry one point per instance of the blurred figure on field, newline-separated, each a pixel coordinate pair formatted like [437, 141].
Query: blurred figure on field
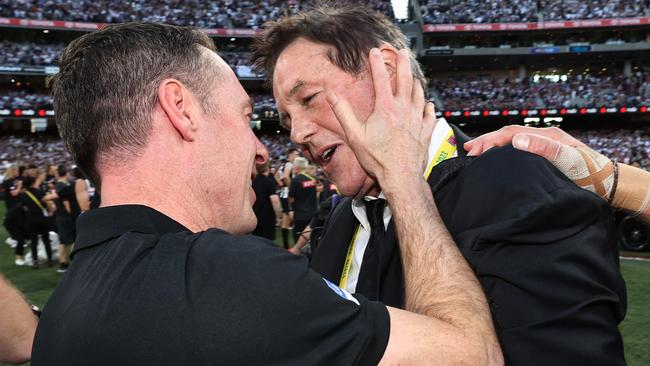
[267, 203]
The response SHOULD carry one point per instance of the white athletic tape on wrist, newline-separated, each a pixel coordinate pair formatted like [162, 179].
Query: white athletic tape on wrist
[586, 168]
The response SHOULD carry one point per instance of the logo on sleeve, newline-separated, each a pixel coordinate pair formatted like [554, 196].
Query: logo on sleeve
[341, 292]
[308, 183]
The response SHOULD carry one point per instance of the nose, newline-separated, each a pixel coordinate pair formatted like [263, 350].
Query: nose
[261, 154]
[302, 129]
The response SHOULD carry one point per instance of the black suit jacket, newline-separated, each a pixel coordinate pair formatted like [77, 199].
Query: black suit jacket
[543, 249]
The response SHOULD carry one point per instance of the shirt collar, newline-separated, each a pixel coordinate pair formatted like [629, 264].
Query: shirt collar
[438, 137]
[98, 225]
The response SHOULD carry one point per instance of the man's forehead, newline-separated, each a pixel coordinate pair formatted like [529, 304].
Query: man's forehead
[298, 64]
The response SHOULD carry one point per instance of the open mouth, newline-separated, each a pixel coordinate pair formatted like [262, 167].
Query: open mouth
[326, 155]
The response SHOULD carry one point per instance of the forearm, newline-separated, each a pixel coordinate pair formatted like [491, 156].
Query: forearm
[438, 281]
[277, 208]
[304, 238]
[18, 325]
[632, 193]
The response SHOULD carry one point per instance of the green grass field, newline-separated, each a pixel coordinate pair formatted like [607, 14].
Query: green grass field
[37, 286]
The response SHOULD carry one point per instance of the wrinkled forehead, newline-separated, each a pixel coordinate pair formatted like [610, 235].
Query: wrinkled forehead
[301, 62]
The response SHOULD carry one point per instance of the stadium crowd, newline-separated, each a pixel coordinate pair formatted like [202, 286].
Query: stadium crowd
[205, 14]
[469, 92]
[253, 14]
[12, 99]
[628, 146]
[508, 11]
[486, 92]
[29, 53]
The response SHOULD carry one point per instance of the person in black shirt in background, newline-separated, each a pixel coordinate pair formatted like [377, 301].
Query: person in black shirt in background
[14, 220]
[34, 202]
[285, 176]
[267, 203]
[67, 211]
[302, 197]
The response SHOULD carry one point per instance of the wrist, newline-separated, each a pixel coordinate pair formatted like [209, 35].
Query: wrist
[405, 188]
[632, 192]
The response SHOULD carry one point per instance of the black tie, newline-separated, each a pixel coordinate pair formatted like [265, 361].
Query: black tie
[370, 274]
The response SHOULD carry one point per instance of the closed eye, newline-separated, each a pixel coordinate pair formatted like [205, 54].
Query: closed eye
[306, 100]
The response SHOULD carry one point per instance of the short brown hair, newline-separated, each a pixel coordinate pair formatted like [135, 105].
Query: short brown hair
[107, 86]
[351, 30]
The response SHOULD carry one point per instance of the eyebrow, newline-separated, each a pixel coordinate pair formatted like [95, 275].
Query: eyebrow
[299, 84]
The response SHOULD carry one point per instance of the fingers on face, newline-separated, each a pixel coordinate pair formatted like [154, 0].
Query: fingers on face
[417, 96]
[429, 122]
[404, 74]
[344, 114]
[380, 78]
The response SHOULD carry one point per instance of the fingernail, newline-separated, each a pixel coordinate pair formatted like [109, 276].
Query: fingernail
[521, 142]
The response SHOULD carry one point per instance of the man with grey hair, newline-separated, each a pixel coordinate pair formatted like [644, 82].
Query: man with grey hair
[542, 248]
[162, 273]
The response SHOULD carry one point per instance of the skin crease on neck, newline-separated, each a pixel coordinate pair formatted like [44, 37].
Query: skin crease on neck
[303, 74]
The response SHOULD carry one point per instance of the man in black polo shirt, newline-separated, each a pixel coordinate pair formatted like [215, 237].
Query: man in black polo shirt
[162, 274]
[267, 203]
[302, 197]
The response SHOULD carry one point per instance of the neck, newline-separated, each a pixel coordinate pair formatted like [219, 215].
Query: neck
[163, 188]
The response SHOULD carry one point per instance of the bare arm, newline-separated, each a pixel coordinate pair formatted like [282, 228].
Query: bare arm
[303, 240]
[632, 192]
[82, 195]
[16, 191]
[18, 325]
[286, 174]
[275, 202]
[449, 315]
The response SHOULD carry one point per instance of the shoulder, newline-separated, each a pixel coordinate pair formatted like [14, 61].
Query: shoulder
[506, 184]
[521, 170]
[217, 253]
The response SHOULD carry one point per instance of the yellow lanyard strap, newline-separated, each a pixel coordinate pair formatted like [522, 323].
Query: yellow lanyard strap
[36, 201]
[445, 151]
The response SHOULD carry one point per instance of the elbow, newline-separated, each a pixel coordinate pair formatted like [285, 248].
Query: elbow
[21, 353]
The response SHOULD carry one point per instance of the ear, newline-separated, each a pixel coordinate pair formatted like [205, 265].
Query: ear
[389, 54]
[176, 102]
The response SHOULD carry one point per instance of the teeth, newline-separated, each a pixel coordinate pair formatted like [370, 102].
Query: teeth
[327, 154]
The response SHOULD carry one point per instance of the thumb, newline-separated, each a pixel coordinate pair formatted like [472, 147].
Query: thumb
[345, 115]
[539, 145]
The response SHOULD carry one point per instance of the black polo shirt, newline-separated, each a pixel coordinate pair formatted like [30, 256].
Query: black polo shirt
[303, 191]
[264, 187]
[143, 290]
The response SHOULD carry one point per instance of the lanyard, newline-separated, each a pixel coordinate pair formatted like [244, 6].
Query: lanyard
[36, 201]
[446, 150]
[308, 176]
